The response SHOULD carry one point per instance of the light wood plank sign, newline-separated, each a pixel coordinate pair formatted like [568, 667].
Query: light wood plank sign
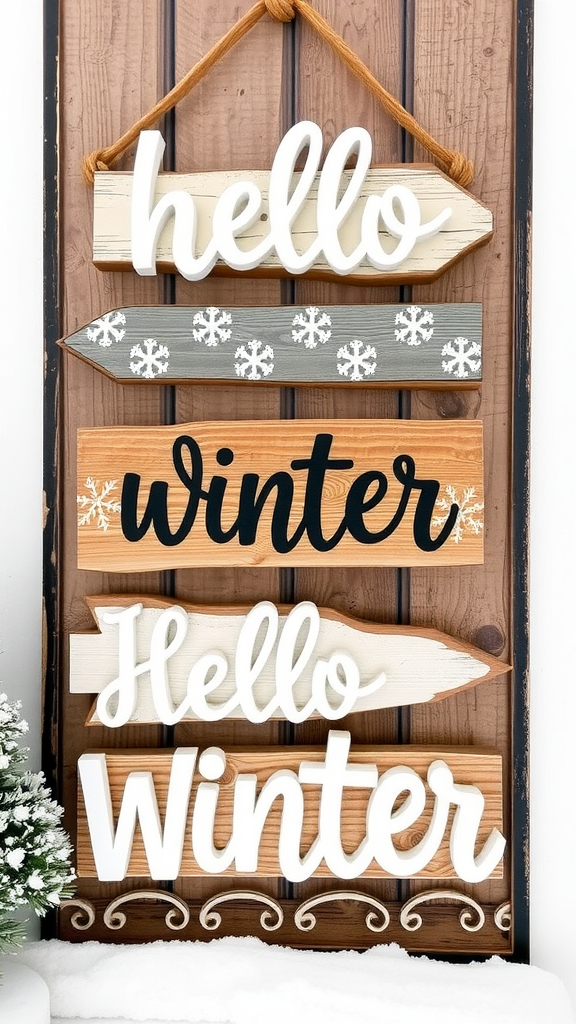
[435, 345]
[406, 223]
[290, 492]
[404, 812]
[156, 661]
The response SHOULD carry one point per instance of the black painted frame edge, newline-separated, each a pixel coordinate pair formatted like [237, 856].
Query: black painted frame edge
[521, 476]
[50, 759]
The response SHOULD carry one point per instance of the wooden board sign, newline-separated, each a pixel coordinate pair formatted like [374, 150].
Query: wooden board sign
[290, 492]
[433, 345]
[406, 223]
[156, 661]
[402, 812]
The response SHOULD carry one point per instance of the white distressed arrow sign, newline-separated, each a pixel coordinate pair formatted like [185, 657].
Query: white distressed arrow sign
[154, 661]
[380, 225]
[433, 345]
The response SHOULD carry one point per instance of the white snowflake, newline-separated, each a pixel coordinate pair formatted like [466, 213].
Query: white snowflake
[462, 352]
[312, 329]
[152, 359]
[254, 360]
[414, 330]
[468, 519]
[356, 360]
[210, 329]
[97, 503]
[107, 328]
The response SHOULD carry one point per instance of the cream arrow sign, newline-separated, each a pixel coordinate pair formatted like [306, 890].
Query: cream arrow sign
[366, 225]
[155, 661]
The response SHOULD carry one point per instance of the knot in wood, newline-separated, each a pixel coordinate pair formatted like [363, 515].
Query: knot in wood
[461, 169]
[282, 10]
[92, 163]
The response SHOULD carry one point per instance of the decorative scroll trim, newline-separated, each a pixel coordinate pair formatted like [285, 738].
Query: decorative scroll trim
[210, 919]
[306, 921]
[377, 919]
[503, 916]
[412, 921]
[84, 917]
[115, 919]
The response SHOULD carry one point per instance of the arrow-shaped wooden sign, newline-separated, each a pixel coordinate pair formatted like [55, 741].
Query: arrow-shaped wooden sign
[153, 660]
[380, 225]
[433, 345]
[280, 492]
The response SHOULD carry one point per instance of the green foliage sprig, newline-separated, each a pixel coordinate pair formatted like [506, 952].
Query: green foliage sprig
[35, 851]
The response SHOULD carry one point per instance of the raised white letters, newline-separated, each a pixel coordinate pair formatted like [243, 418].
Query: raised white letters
[192, 812]
[335, 683]
[393, 215]
[163, 846]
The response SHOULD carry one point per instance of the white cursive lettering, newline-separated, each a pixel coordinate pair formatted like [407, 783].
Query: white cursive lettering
[395, 214]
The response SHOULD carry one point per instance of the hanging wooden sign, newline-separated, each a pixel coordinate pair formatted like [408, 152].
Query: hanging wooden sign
[290, 492]
[364, 225]
[405, 812]
[156, 661]
[434, 345]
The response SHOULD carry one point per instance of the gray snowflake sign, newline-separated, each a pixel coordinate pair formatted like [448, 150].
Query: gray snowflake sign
[410, 345]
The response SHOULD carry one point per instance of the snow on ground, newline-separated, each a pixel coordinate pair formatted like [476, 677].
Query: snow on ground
[246, 981]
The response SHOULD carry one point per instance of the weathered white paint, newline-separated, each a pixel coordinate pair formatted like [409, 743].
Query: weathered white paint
[172, 664]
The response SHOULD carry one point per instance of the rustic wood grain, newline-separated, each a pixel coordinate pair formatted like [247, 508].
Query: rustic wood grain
[338, 346]
[474, 767]
[110, 70]
[441, 931]
[233, 118]
[468, 53]
[469, 225]
[449, 458]
[416, 664]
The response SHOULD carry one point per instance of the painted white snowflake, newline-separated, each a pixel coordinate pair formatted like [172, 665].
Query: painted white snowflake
[462, 352]
[313, 324]
[97, 503]
[210, 327]
[359, 360]
[150, 361]
[469, 518]
[414, 329]
[107, 328]
[256, 361]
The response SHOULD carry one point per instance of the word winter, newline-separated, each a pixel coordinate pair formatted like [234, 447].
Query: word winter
[366, 491]
[396, 212]
[396, 802]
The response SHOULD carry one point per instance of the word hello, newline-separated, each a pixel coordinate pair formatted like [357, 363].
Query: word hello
[397, 800]
[396, 211]
[335, 682]
[365, 493]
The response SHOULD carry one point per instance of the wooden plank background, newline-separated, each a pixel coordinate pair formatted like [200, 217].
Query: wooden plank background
[453, 64]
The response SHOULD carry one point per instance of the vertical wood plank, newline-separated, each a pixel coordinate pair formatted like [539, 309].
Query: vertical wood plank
[232, 119]
[463, 69]
[330, 95]
[326, 92]
[110, 75]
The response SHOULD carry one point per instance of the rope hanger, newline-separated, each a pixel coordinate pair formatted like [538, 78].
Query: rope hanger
[453, 163]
